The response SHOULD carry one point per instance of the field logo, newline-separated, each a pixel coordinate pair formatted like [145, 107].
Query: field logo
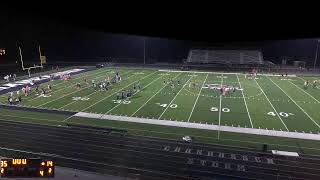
[219, 87]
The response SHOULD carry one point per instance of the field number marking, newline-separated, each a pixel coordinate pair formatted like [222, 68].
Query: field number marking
[173, 106]
[283, 114]
[215, 109]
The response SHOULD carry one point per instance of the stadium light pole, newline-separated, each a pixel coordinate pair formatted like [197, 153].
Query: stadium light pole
[316, 56]
[144, 50]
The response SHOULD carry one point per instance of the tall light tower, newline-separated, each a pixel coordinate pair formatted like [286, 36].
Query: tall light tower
[316, 56]
[144, 50]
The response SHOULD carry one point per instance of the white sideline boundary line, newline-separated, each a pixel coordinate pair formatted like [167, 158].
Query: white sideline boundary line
[272, 105]
[296, 104]
[194, 105]
[152, 97]
[201, 72]
[254, 131]
[220, 105]
[208, 72]
[245, 102]
[175, 97]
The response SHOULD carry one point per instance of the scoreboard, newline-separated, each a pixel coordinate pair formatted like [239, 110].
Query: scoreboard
[33, 167]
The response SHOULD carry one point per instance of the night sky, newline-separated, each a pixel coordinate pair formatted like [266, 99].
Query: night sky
[61, 42]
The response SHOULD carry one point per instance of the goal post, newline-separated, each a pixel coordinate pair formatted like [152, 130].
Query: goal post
[43, 60]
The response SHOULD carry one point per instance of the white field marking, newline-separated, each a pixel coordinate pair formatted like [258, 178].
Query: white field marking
[135, 93]
[31, 99]
[305, 91]
[152, 97]
[220, 104]
[64, 96]
[116, 92]
[194, 105]
[265, 132]
[245, 102]
[272, 106]
[67, 118]
[203, 72]
[253, 142]
[89, 94]
[296, 104]
[175, 97]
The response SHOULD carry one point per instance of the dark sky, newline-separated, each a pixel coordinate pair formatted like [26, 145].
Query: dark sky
[62, 42]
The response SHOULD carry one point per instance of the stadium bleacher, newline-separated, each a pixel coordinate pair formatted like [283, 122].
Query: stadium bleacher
[225, 56]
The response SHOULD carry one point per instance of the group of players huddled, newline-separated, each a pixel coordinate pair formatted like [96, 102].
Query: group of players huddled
[126, 94]
[104, 85]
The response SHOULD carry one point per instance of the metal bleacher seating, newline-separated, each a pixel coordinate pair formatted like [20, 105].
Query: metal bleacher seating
[225, 56]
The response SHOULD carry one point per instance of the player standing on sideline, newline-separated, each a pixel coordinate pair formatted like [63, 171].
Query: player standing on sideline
[93, 83]
[78, 85]
[10, 100]
[37, 89]
[122, 94]
[314, 84]
[139, 87]
[306, 83]
[85, 80]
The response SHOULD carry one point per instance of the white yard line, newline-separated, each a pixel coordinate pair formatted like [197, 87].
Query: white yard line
[272, 106]
[220, 104]
[296, 104]
[88, 94]
[194, 105]
[116, 92]
[245, 102]
[175, 97]
[305, 91]
[152, 97]
[135, 93]
[64, 96]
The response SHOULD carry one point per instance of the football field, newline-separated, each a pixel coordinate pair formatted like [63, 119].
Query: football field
[267, 102]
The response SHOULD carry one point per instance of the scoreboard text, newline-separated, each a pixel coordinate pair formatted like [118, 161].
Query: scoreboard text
[27, 168]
